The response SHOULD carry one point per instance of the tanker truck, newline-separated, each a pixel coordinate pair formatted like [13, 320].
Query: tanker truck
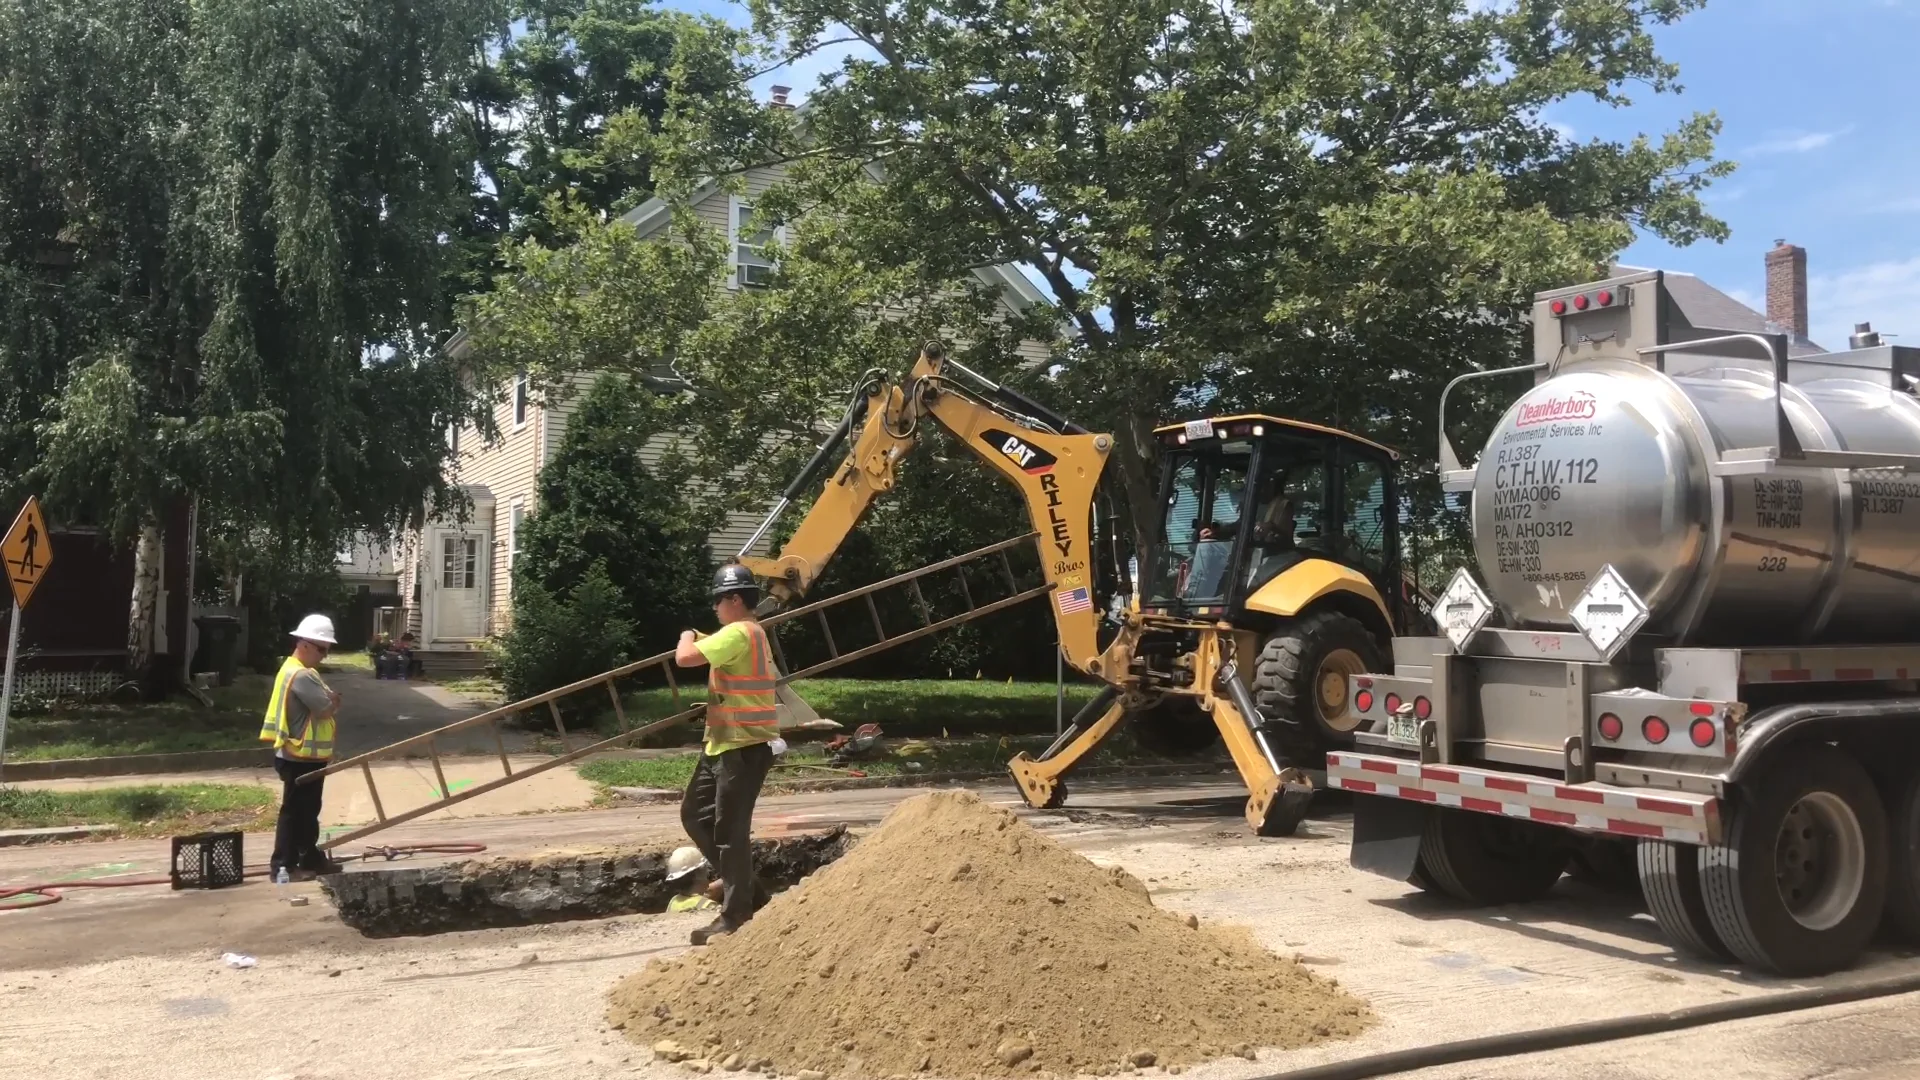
[1686, 654]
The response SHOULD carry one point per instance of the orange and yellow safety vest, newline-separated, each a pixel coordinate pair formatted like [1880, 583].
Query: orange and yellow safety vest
[740, 706]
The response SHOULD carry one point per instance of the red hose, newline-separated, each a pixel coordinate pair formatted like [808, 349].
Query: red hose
[50, 892]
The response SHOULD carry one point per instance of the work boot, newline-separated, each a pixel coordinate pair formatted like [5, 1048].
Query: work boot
[719, 927]
[322, 865]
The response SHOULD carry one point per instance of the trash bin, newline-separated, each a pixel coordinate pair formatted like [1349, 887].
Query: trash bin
[218, 636]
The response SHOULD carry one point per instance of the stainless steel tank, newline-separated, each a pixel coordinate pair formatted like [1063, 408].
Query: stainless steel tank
[1612, 461]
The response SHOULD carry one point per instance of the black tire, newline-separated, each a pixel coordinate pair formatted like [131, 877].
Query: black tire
[1816, 811]
[1670, 881]
[1485, 859]
[1287, 678]
[1173, 727]
[1422, 880]
[1903, 863]
[1607, 865]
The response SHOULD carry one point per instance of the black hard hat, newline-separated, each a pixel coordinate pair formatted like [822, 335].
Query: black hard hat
[733, 578]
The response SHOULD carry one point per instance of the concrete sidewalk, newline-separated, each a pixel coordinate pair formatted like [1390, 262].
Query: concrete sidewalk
[403, 784]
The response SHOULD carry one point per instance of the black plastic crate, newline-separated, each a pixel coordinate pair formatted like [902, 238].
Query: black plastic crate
[212, 860]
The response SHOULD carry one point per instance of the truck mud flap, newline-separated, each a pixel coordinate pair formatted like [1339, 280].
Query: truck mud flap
[1386, 836]
[1680, 817]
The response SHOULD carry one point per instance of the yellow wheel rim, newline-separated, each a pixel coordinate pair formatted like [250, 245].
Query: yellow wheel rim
[1330, 695]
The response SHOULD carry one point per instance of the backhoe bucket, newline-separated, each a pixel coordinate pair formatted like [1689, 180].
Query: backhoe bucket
[794, 714]
[1280, 807]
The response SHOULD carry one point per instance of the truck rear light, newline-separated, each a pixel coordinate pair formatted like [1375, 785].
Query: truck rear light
[1655, 730]
[1611, 728]
[1422, 708]
[1605, 297]
[1580, 302]
[1702, 732]
[1701, 708]
[1558, 307]
[1393, 704]
[1363, 683]
[1363, 700]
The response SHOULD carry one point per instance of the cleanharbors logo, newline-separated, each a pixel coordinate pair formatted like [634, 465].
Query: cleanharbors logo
[1578, 405]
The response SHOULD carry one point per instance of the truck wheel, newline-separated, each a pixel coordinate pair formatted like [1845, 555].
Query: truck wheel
[1670, 881]
[1903, 872]
[1173, 727]
[1302, 678]
[1798, 887]
[1484, 859]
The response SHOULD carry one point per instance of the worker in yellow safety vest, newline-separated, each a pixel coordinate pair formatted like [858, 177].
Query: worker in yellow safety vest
[689, 876]
[743, 734]
[300, 725]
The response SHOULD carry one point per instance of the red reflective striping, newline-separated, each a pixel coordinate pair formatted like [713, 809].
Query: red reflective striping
[1635, 828]
[1358, 785]
[1379, 766]
[1501, 783]
[1659, 806]
[1418, 794]
[1551, 817]
[1853, 674]
[1485, 806]
[1791, 675]
[1582, 795]
[1444, 776]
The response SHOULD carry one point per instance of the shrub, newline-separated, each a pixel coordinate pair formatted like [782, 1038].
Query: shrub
[555, 640]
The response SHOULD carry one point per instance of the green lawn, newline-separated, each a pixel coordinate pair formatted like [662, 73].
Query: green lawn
[923, 708]
[178, 725]
[806, 762]
[142, 811]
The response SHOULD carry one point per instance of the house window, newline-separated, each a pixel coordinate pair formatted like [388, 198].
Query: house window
[752, 265]
[513, 533]
[520, 400]
[459, 562]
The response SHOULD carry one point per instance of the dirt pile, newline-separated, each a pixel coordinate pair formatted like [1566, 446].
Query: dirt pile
[956, 940]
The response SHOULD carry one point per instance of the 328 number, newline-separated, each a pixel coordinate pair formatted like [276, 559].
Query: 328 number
[1772, 564]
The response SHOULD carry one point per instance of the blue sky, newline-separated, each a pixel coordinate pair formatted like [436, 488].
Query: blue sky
[1822, 113]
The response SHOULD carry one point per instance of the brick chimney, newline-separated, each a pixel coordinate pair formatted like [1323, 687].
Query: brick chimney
[780, 96]
[1787, 288]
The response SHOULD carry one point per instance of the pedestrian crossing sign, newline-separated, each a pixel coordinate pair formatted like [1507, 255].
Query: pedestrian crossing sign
[26, 551]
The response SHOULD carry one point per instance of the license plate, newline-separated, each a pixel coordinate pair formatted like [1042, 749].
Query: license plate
[1199, 429]
[1403, 729]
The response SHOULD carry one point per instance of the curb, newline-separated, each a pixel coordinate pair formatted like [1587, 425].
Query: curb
[20, 837]
[136, 764]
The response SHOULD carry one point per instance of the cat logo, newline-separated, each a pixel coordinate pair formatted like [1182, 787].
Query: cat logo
[1032, 461]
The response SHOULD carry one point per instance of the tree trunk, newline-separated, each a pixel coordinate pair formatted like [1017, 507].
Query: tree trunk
[146, 594]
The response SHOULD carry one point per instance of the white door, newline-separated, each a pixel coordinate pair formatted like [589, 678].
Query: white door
[458, 608]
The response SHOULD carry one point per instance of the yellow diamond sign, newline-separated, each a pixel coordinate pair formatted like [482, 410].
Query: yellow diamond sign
[27, 552]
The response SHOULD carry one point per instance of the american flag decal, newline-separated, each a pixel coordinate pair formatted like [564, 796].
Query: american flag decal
[1074, 601]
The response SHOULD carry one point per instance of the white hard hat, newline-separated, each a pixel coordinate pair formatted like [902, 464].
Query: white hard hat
[684, 861]
[316, 628]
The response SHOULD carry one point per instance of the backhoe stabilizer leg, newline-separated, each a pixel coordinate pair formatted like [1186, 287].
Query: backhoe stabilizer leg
[1277, 796]
[1042, 780]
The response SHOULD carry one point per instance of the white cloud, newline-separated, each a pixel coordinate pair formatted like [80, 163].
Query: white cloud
[1801, 143]
[1887, 294]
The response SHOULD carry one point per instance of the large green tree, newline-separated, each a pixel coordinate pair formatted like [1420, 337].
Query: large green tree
[1326, 208]
[224, 230]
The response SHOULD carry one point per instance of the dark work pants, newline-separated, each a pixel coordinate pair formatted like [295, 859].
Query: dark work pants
[717, 811]
[296, 837]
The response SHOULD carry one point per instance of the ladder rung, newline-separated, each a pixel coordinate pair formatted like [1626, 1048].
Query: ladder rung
[879, 632]
[779, 654]
[558, 725]
[379, 811]
[433, 750]
[673, 684]
[964, 590]
[500, 744]
[619, 714]
[1006, 567]
[920, 600]
[828, 631]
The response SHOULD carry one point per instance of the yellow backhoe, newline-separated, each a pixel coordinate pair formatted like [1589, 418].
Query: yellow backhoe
[1275, 575]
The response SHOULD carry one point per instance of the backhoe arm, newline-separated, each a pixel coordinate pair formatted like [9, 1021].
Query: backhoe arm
[1056, 466]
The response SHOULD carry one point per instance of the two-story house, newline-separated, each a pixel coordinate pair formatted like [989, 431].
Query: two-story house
[456, 577]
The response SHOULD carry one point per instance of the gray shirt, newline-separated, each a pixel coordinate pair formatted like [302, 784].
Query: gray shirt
[306, 695]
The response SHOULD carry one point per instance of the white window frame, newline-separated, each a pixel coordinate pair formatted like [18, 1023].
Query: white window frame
[453, 439]
[737, 278]
[459, 561]
[514, 517]
[522, 410]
